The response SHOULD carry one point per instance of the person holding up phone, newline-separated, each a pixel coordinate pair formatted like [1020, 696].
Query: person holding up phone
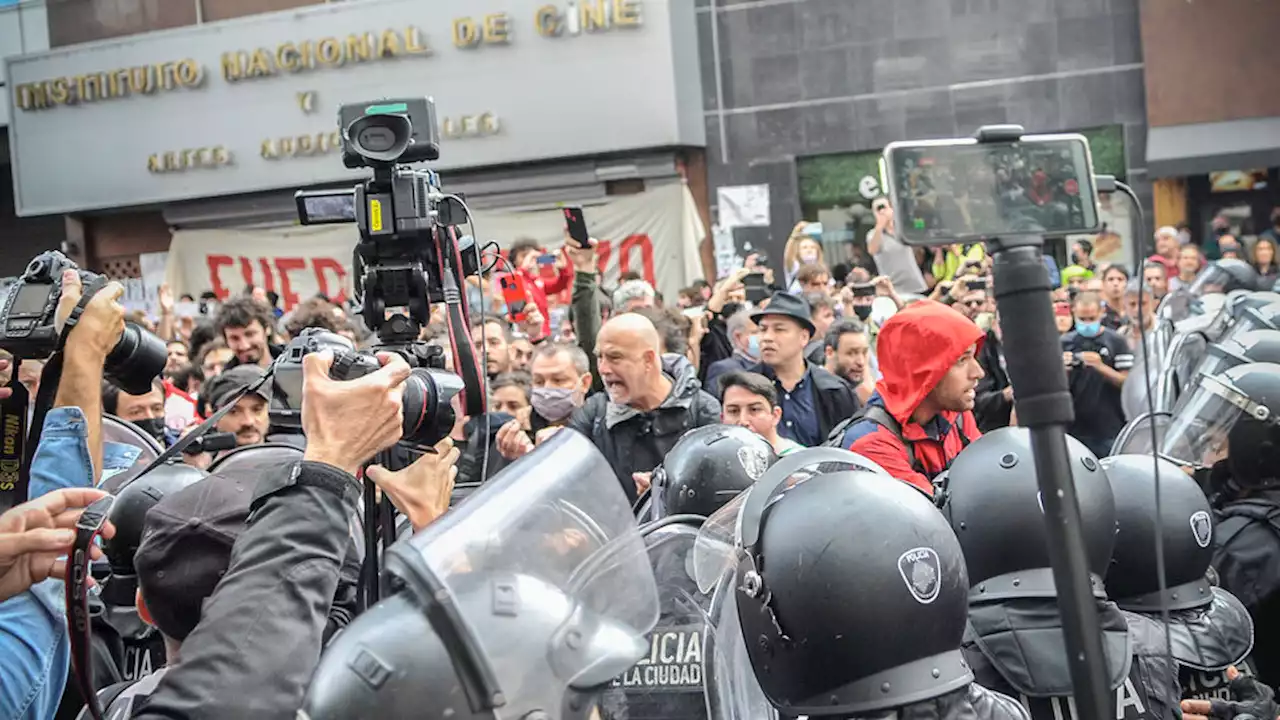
[524, 256]
[893, 258]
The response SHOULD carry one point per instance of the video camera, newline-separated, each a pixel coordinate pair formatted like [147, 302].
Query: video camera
[27, 323]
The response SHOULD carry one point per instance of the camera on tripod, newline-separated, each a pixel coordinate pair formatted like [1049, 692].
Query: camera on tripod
[29, 333]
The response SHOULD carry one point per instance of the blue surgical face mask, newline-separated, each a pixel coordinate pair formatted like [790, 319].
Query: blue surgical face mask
[1084, 329]
[753, 347]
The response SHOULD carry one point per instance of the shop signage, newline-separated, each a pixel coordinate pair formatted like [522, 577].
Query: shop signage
[217, 102]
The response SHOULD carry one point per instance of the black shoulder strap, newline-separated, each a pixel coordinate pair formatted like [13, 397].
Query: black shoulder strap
[878, 415]
[1255, 510]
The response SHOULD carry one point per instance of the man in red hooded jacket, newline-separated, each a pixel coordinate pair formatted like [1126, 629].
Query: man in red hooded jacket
[524, 255]
[920, 416]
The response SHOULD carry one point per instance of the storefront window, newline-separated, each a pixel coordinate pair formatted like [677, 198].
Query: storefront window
[836, 190]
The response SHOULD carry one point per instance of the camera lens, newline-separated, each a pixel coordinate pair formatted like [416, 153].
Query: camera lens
[137, 359]
[377, 139]
[428, 406]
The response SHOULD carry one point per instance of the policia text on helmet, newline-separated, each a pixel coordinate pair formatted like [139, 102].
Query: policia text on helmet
[929, 181]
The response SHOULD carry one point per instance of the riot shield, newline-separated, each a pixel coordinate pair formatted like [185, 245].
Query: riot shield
[126, 450]
[1135, 437]
[668, 683]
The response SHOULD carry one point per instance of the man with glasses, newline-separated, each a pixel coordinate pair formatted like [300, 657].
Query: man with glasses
[893, 258]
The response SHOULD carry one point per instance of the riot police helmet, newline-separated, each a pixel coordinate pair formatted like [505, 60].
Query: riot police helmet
[525, 601]
[811, 541]
[707, 468]
[1252, 315]
[991, 496]
[1223, 276]
[1232, 416]
[1183, 522]
[1238, 349]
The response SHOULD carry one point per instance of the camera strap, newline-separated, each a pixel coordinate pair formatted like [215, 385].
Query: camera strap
[90, 524]
[13, 422]
[464, 356]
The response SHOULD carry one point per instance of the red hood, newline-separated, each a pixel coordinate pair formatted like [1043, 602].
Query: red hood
[915, 349]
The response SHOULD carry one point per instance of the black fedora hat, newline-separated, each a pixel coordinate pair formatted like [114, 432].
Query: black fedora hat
[785, 304]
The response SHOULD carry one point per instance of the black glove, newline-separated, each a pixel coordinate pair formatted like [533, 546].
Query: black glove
[1254, 701]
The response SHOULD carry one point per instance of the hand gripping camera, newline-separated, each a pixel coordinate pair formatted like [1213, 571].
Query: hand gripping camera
[29, 333]
[428, 393]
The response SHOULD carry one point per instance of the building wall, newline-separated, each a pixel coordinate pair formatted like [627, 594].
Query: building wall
[1210, 61]
[808, 77]
[79, 21]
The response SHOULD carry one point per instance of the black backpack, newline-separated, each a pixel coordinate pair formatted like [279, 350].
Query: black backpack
[878, 415]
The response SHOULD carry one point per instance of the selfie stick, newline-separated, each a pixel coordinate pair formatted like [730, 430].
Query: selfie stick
[1043, 404]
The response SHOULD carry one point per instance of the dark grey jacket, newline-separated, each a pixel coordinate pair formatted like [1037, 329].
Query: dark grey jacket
[260, 636]
[633, 441]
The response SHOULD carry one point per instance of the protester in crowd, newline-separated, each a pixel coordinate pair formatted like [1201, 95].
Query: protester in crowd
[1190, 261]
[1229, 247]
[1167, 246]
[213, 358]
[1138, 320]
[822, 313]
[748, 399]
[1209, 248]
[893, 257]
[993, 401]
[920, 416]
[525, 255]
[950, 261]
[491, 337]
[1155, 275]
[521, 353]
[145, 411]
[317, 313]
[176, 357]
[1082, 254]
[245, 325]
[1114, 278]
[249, 419]
[804, 247]
[1263, 259]
[1097, 360]
[649, 401]
[1062, 317]
[561, 380]
[509, 393]
[813, 278]
[847, 350]
[745, 338]
[813, 400]
[634, 295]
[973, 301]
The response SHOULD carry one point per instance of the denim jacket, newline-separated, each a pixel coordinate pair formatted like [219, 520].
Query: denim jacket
[33, 625]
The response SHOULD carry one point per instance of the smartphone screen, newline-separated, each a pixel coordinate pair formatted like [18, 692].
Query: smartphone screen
[976, 284]
[576, 224]
[862, 289]
[546, 259]
[952, 190]
[755, 287]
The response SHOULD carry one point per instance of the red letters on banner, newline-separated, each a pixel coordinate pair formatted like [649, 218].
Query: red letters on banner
[279, 275]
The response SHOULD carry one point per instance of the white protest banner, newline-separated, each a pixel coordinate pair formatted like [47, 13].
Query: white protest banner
[655, 233]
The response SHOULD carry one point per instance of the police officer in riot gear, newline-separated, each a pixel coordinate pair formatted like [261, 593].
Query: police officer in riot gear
[1224, 276]
[1209, 628]
[1231, 425]
[1015, 642]
[790, 639]
[707, 468]
[525, 604]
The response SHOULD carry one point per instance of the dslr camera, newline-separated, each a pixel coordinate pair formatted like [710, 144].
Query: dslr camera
[29, 333]
[428, 393]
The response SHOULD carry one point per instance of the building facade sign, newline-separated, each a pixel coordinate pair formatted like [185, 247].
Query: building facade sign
[250, 104]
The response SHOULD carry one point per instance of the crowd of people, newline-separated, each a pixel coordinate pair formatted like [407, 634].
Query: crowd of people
[901, 364]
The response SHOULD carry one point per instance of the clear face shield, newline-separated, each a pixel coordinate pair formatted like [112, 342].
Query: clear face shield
[1212, 279]
[723, 542]
[1253, 318]
[1197, 434]
[126, 451]
[539, 584]
[1135, 437]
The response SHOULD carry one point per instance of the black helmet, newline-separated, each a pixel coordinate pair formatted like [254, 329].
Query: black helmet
[1240, 348]
[993, 503]
[1184, 525]
[1223, 276]
[809, 551]
[707, 468]
[1232, 416]
[1249, 315]
[129, 512]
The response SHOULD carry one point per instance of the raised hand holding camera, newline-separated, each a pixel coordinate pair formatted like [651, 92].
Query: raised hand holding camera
[101, 324]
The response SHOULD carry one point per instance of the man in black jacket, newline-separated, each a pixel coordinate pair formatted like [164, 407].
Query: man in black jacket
[257, 638]
[813, 400]
[994, 401]
[650, 400]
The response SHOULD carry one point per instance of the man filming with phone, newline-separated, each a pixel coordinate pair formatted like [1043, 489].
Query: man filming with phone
[893, 258]
[527, 258]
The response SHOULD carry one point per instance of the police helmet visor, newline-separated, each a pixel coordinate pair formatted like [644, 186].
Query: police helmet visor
[1255, 318]
[732, 691]
[1218, 358]
[555, 533]
[1133, 394]
[1191, 353]
[126, 450]
[1135, 438]
[1197, 434]
[1212, 279]
[1176, 306]
[720, 542]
